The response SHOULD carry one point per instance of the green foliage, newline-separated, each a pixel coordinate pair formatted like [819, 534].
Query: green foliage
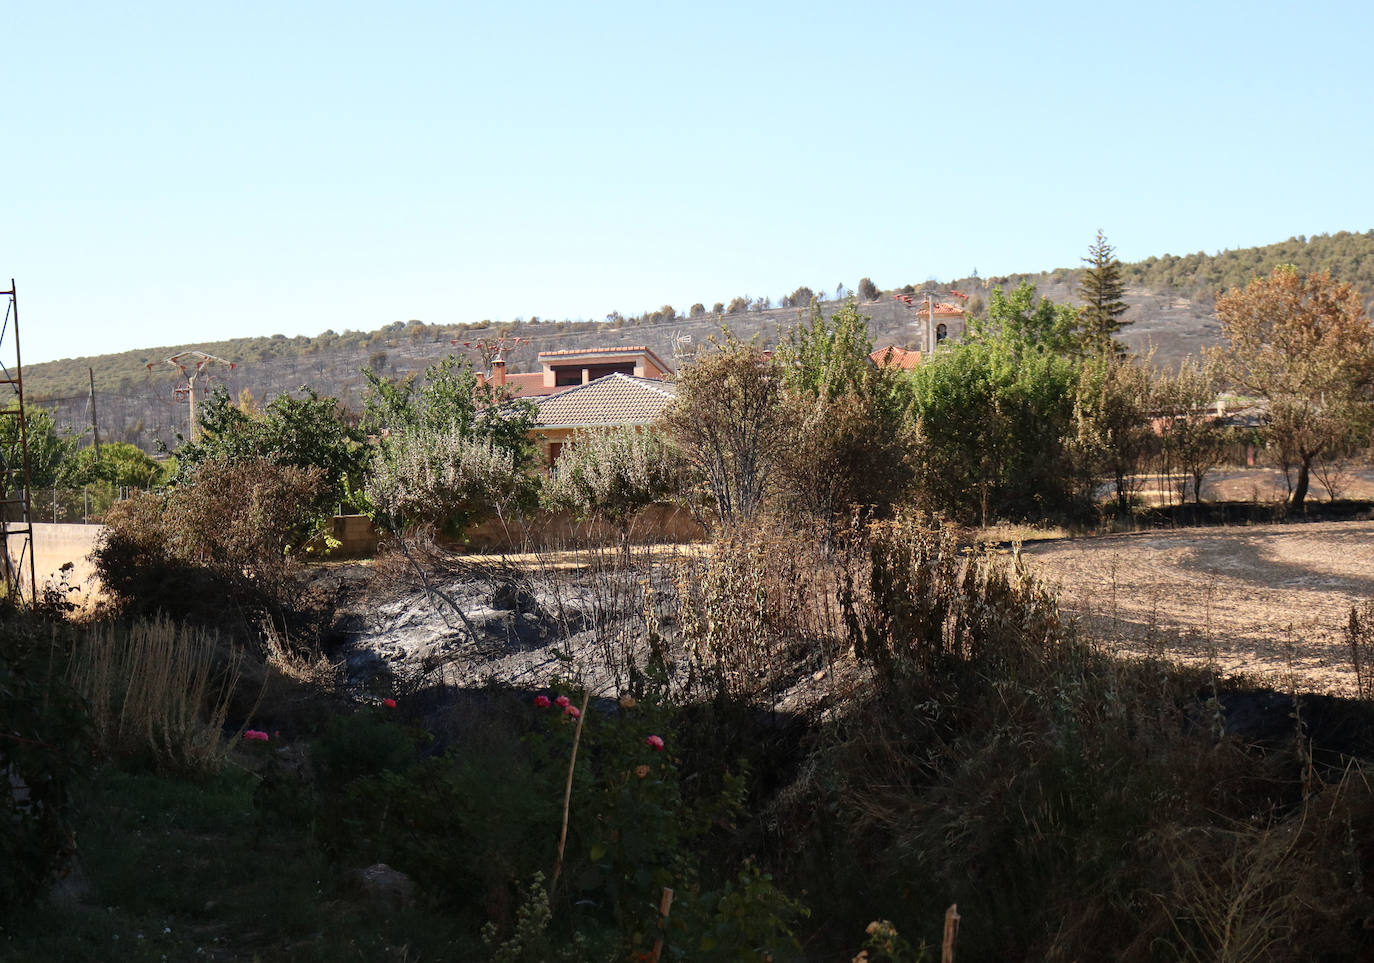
[118, 463]
[1025, 324]
[45, 751]
[1115, 397]
[1102, 290]
[868, 291]
[1192, 439]
[847, 433]
[992, 421]
[50, 451]
[614, 473]
[451, 452]
[306, 433]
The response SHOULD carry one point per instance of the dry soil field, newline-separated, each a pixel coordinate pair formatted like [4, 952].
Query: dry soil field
[1267, 600]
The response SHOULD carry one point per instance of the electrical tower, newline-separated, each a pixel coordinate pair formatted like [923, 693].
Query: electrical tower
[16, 519]
[193, 364]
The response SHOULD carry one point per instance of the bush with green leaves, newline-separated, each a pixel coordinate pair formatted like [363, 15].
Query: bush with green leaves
[45, 752]
[307, 434]
[614, 473]
[450, 451]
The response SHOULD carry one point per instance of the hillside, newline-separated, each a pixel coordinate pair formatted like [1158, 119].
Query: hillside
[1170, 300]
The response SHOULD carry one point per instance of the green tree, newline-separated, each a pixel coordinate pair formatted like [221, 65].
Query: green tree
[306, 432]
[1024, 323]
[991, 426]
[51, 452]
[868, 291]
[845, 420]
[1304, 344]
[1102, 290]
[1191, 436]
[117, 463]
[450, 451]
[1111, 422]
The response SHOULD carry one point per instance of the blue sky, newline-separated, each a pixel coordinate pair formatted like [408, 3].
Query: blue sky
[183, 172]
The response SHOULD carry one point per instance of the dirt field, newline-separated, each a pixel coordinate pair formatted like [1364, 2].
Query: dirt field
[1270, 601]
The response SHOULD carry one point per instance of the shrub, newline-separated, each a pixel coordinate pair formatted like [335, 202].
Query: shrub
[45, 750]
[158, 690]
[227, 535]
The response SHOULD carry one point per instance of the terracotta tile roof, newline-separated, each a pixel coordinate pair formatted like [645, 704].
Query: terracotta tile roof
[617, 399]
[895, 357]
[945, 308]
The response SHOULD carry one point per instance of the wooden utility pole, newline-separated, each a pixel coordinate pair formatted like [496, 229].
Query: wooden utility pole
[95, 425]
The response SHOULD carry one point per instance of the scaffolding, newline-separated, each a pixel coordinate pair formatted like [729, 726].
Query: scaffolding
[16, 516]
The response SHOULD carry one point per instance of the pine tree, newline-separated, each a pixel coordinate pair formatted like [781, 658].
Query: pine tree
[1102, 290]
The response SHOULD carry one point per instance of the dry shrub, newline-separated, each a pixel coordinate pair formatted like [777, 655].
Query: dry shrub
[1359, 637]
[229, 534]
[1285, 888]
[914, 600]
[158, 689]
[754, 606]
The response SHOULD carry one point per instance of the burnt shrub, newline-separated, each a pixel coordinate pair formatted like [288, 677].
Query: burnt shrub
[226, 538]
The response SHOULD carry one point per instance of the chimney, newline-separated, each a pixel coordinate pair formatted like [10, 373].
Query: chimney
[498, 372]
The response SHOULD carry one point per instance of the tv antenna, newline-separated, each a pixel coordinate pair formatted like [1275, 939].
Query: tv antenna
[490, 349]
[192, 364]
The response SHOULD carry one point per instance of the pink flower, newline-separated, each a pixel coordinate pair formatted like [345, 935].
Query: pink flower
[562, 702]
[655, 743]
[255, 735]
[389, 703]
[541, 702]
[573, 711]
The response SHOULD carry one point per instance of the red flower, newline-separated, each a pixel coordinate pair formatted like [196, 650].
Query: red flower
[573, 711]
[389, 703]
[655, 743]
[541, 702]
[255, 735]
[562, 702]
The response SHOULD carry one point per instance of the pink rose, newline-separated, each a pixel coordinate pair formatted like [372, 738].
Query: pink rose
[541, 702]
[255, 735]
[655, 743]
[389, 703]
[573, 711]
[562, 702]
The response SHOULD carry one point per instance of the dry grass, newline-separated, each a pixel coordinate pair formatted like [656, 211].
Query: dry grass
[158, 688]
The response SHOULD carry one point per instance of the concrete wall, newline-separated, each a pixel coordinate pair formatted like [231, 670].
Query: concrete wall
[54, 546]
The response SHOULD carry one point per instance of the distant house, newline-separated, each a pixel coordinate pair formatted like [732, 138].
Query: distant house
[561, 370]
[614, 400]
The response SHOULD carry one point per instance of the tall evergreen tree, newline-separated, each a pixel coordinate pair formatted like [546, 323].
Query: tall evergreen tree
[1102, 290]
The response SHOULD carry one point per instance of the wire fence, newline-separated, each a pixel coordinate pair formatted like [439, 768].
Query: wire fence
[86, 505]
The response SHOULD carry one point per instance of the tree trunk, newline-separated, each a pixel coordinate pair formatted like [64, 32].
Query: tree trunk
[1299, 495]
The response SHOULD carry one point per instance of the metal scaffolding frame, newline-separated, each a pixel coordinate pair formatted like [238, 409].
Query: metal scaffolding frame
[16, 516]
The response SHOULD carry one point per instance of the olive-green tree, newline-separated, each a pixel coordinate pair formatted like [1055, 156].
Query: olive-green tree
[1103, 291]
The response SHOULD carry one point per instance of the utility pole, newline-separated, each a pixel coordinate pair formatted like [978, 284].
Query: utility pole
[95, 425]
[192, 364]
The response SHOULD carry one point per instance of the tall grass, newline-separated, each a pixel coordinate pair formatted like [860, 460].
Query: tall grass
[159, 689]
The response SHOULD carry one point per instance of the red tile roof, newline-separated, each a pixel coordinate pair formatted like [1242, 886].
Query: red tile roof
[895, 357]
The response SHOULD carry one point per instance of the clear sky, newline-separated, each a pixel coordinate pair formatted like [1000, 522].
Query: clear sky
[184, 172]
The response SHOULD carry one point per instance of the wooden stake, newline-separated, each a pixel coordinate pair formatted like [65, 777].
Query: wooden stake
[951, 933]
[664, 905]
[567, 792]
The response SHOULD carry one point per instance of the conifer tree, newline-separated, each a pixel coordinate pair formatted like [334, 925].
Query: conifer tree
[1102, 290]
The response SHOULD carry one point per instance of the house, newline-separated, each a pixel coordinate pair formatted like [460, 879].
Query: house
[561, 370]
[613, 400]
